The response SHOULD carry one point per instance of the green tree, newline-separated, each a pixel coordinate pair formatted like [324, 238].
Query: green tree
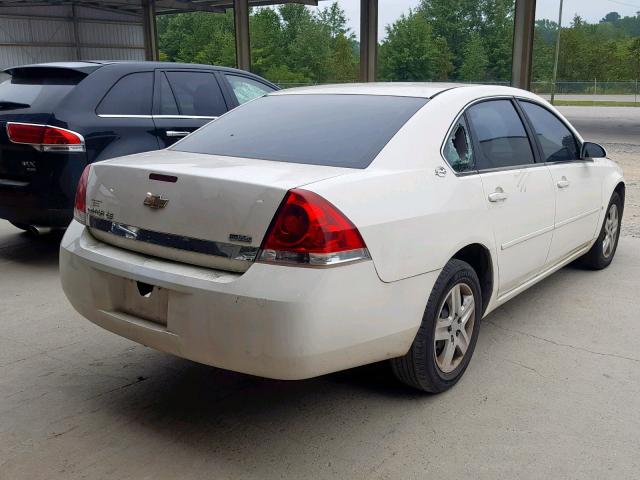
[266, 41]
[475, 61]
[453, 20]
[409, 51]
[198, 38]
[612, 17]
[442, 59]
[344, 65]
[468, 40]
[543, 56]
[496, 33]
[335, 19]
[632, 56]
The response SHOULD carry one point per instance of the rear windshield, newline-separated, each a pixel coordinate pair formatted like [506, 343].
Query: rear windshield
[35, 88]
[333, 130]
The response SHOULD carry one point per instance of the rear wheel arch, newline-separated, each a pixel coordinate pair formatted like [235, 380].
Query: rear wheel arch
[479, 257]
[620, 190]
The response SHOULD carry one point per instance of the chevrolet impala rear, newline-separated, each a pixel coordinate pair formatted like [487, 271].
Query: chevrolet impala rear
[319, 229]
[234, 248]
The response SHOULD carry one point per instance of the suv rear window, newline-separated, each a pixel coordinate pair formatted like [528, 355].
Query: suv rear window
[131, 95]
[321, 129]
[38, 89]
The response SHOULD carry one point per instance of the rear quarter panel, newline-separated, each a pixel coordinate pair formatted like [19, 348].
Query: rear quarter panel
[412, 220]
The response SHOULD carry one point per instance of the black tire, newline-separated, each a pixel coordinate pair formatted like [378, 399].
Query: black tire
[595, 258]
[419, 368]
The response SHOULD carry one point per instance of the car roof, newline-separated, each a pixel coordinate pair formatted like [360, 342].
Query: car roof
[398, 89]
[89, 66]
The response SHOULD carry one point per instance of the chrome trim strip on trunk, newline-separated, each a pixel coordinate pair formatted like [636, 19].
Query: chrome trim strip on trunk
[180, 242]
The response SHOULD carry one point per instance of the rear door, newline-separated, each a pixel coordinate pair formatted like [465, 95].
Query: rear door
[577, 187]
[124, 124]
[519, 192]
[185, 100]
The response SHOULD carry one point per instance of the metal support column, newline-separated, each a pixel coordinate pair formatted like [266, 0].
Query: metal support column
[525, 16]
[368, 40]
[243, 45]
[150, 31]
[76, 32]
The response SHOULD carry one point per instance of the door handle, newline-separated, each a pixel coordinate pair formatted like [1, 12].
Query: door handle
[563, 183]
[498, 196]
[174, 133]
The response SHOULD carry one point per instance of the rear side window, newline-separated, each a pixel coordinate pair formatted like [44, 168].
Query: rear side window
[458, 149]
[246, 89]
[333, 130]
[39, 89]
[557, 142]
[131, 95]
[197, 94]
[501, 135]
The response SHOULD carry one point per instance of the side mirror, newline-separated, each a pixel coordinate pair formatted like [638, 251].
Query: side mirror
[592, 150]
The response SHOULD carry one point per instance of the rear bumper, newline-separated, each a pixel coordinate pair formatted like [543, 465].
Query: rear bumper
[272, 321]
[45, 197]
[36, 216]
[32, 204]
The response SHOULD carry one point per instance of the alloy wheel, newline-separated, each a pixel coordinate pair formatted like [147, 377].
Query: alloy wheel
[454, 327]
[611, 225]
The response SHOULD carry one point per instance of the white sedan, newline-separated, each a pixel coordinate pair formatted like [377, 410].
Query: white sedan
[317, 229]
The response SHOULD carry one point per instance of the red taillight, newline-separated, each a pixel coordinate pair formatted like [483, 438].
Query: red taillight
[307, 229]
[59, 136]
[45, 137]
[23, 133]
[80, 207]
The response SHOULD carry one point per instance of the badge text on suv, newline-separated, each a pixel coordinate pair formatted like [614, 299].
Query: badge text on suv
[56, 118]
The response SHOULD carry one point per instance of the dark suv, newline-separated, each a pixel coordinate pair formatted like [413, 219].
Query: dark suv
[56, 118]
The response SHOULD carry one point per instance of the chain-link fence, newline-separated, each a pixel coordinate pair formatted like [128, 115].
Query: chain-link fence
[594, 91]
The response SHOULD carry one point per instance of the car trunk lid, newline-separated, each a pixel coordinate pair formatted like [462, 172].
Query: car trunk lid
[201, 209]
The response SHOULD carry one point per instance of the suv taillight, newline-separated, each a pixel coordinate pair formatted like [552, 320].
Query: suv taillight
[45, 137]
[80, 206]
[308, 230]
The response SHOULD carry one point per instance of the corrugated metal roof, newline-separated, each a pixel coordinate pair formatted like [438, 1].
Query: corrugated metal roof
[36, 31]
[161, 6]
[46, 34]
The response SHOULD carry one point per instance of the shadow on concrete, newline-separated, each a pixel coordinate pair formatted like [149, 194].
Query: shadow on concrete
[24, 248]
[219, 413]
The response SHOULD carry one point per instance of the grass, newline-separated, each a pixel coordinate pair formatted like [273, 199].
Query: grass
[589, 103]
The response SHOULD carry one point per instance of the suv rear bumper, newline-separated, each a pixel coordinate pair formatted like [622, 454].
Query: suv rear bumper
[56, 218]
[46, 197]
[34, 205]
[272, 321]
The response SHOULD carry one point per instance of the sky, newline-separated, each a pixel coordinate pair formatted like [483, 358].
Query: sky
[590, 10]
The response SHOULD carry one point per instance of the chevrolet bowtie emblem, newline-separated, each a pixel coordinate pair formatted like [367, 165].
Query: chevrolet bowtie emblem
[155, 201]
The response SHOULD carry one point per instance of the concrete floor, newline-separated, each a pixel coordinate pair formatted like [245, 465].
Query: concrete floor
[553, 391]
[617, 125]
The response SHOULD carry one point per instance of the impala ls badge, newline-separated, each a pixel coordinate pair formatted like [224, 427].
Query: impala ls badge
[155, 201]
